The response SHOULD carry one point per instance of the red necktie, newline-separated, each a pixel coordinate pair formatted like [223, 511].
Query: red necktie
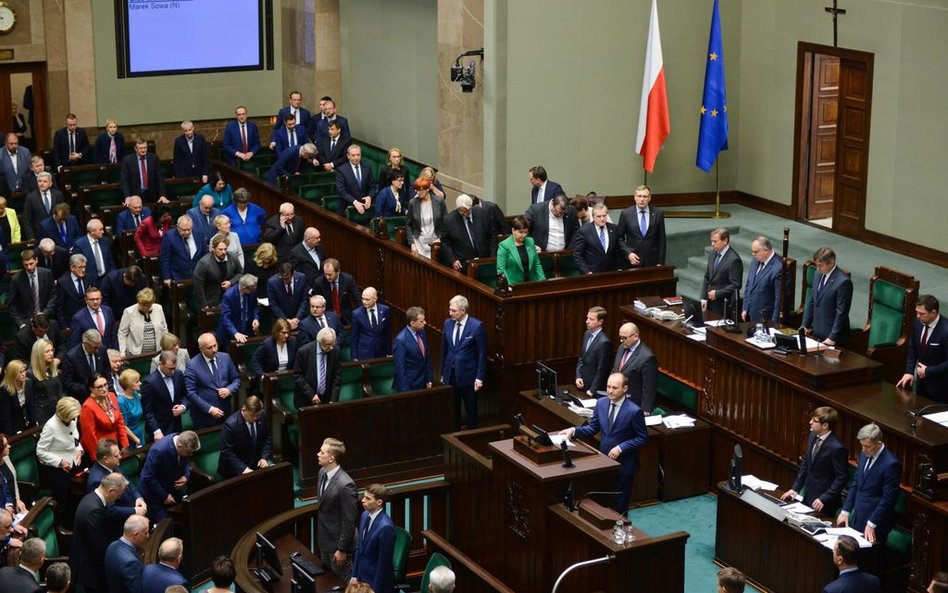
[243, 135]
[335, 299]
[421, 345]
[143, 170]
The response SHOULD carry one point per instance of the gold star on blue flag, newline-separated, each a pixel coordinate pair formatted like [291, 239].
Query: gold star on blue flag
[712, 135]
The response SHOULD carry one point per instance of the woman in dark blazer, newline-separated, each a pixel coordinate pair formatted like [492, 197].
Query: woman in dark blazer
[424, 228]
[276, 353]
[517, 257]
[103, 144]
[389, 202]
[13, 398]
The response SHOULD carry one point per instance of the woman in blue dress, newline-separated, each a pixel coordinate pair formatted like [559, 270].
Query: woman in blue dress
[130, 403]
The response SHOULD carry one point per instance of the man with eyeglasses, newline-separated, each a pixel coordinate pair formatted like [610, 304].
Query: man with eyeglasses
[638, 363]
[211, 382]
[241, 138]
[318, 370]
[552, 224]
[463, 359]
[317, 319]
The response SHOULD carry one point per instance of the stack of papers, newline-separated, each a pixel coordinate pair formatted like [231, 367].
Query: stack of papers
[797, 507]
[584, 412]
[755, 483]
[638, 304]
[679, 421]
[939, 417]
[698, 337]
[829, 538]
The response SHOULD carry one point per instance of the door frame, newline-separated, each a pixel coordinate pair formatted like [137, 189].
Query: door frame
[41, 133]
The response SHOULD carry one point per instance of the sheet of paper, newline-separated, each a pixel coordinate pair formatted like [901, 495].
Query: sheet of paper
[798, 507]
[263, 302]
[838, 531]
[760, 343]
[939, 417]
[679, 421]
[698, 337]
[715, 323]
[755, 483]
[653, 420]
[559, 438]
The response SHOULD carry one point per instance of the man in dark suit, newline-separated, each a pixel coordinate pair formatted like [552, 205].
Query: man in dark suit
[825, 465]
[163, 397]
[722, 278]
[180, 252]
[71, 147]
[552, 224]
[108, 459]
[62, 227]
[317, 319]
[240, 314]
[463, 359]
[826, 316]
[192, 156]
[642, 227]
[211, 383]
[466, 235]
[39, 204]
[875, 488]
[308, 256]
[289, 134]
[71, 289]
[245, 440]
[120, 287]
[203, 216]
[97, 248]
[373, 562]
[123, 565]
[15, 164]
[52, 257]
[290, 160]
[95, 316]
[156, 578]
[284, 230]
[301, 115]
[141, 174]
[851, 579]
[25, 577]
[598, 247]
[333, 149]
[39, 327]
[215, 272]
[37, 166]
[338, 288]
[32, 290]
[335, 531]
[287, 292]
[318, 370]
[543, 189]
[411, 353]
[166, 471]
[762, 293]
[319, 129]
[595, 354]
[355, 182]
[82, 361]
[371, 333]
[241, 138]
[621, 426]
[90, 536]
[639, 365]
[131, 218]
[928, 352]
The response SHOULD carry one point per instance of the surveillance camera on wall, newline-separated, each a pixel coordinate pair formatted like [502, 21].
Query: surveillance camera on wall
[465, 74]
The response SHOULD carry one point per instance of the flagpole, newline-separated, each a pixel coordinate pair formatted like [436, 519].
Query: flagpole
[717, 192]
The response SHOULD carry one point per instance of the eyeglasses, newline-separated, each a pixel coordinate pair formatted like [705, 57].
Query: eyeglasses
[100, 385]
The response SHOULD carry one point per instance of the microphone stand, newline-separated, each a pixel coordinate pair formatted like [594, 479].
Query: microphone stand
[916, 414]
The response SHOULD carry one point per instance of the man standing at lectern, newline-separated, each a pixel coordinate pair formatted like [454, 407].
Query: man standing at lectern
[622, 426]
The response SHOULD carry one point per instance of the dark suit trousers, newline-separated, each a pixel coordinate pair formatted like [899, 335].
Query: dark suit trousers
[344, 572]
[466, 394]
[624, 486]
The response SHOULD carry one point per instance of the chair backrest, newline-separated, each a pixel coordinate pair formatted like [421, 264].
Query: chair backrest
[41, 523]
[437, 559]
[351, 388]
[567, 265]
[400, 553]
[23, 455]
[484, 270]
[892, 298]
[381, 377]
[206, 458]
[363, 219]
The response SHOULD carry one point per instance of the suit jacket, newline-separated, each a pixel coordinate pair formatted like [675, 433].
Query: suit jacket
[349, 294]
[762, 291]
[132, 328]
[61, 149]
[100, 150]
[284, 241]
[201, 388]
[266, 360]
[233, 143]
[118, 295]
[158, 577]
[68, 298]
[304, 373]
[83, 320]
[935, 358]
[873, 494]
[21, 296]
[855, 581]
[280, 137]
[588, 251]
[123, 567]
[208, 278]
[456, 244]
[309, 327]
[412, 366]
[34, 211]
[162, 467]
[288, 162]
[76, 371]
[283, 305]
[83, 245]
[371, 342]
[319, 128]
[125, 505]
[628, 432]
[90, 538]
[338, 513]
[303, 262]
[538, 215]
[125, 222]
[725, 280]
[57, 263]
[303, 117]
[16, 179]
[823, 475]
[173, 259]
[511, 266]
[827, 310]
[388, 203]
[238, 450]
[594, 361]
[439, 211]
[238, 312]
[194, 162]
[49, 228]
[349, 189]
[466, 361]
[651, 247]
[131, 179]
[16, 579]
[373, 562]
[553, 189]
[204, 229]
[641, 371]
[157, 402]
[335, 155]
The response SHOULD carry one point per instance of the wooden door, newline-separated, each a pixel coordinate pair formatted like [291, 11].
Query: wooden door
[852, 145]
[821, 167]
[36, 72]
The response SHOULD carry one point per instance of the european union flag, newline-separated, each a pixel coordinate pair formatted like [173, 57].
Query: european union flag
[712, 136]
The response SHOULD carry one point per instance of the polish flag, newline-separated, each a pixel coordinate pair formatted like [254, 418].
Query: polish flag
[654, 123]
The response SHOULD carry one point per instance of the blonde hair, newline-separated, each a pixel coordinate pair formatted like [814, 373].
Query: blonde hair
[67, 409]
[110, 121]
[128, 378]
[168, 341]
[9, 376]
[145, 296]
[266, 255]
[41, 370]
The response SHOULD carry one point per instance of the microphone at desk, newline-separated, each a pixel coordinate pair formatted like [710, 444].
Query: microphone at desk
[567, 460]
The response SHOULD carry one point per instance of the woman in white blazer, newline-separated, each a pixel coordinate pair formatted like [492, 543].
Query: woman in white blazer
[142, 325]
[58, 449]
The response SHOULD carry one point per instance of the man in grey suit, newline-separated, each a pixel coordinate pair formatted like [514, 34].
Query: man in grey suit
[638, 363]
[722, 279]
[592, 365]
[338, 510]
[215, 272]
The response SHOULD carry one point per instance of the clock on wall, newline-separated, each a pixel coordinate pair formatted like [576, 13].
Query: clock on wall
[7, 18]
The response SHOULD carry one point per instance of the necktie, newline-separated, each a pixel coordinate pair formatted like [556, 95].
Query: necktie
[421, 345]
[717, 260]
[35, 289]
[169, 384]
[289, 289]
[457, 333]
[335, 299]
[46, 203]
[79, 287]
[643, 224]
[332, 146]
[612, 415]
[602, 237]
[72, 142]
[138, 220]
[470, 235]
[243, 135]
[91, 363]
[923, 342]
[319, 320]
[99, 262]
[253, 432]
[358, 173]
[322, 483]
[214, 370]
[817, 445]
[588, 343]
[100, 322]
[143, 171]
[822, 284]
[62, 232]
[869, 464]
[289, 229]
[625, 359]
[373, 318]
[112, 150]
[292, 137]
[321, 373]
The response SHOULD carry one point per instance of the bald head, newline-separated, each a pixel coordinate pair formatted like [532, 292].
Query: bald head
[369, 297]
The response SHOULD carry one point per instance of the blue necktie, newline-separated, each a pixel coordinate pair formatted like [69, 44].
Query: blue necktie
[602, 237]
[643, 226]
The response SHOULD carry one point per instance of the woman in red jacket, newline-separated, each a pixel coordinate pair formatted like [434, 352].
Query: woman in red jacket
[151, 230]
[101, 417]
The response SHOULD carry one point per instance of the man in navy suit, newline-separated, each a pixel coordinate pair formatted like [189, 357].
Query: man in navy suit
[156, 578]
[62, 227]
[241, 138]
[373, 562]
[543, 189]
[240, 315]
[163, 397]
[288, 134]
[621, 426]
[25, 577]
[286, 292]
[642, 227]
[95, 316]
[108, 459]
[320, 126]
[203, 216]
[245, 440]
[928, 352]
[317, 319]
[463, 359]
[595, 354]
[317, 370]
[355, 182]
[722, 278]
[371, 333]
[598, 247]
[762, 293]
[71, 289]
[180, 252]
[638, 363]
[39, 204]
[826, 316]
[192, 157]
[552, 224]
[290, 160]
[412, 355]
[120, 287]
[211, 383]
[141, 174]
[15, 164]
[301, 115]
[71, 144]
[308, 256]
[851, 579]
[131, 218]
[825, 466]
[123, 565]
[166, 471]
[333, 148]
[338, 288]
[97, 248]
[875, 488]
[90, 535]
[52, 257]
[83, 361]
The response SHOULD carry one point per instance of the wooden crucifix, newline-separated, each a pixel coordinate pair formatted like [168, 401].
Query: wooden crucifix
[835, 11]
